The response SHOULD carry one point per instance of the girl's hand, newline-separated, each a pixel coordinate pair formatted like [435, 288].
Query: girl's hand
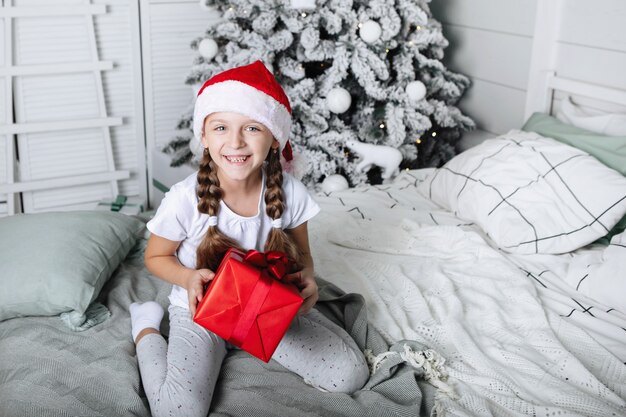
[305, 281]
[195, 287]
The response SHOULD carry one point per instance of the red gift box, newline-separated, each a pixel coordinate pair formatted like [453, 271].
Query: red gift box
[247, 305]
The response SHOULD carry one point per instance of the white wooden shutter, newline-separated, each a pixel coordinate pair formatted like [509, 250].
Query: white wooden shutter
[8, 202]
[167, 29]
[4, 169]
[7, 169]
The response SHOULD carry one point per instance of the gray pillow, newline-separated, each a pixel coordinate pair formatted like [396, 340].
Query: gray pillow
[57, 262]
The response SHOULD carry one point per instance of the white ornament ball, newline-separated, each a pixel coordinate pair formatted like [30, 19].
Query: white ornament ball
[196, 148]
[338, 100]
[207, 48]
[415, 90]
[370, 31]
[205, 6]
[334, 182]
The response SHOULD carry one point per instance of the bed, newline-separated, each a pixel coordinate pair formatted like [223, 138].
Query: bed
[469, 295]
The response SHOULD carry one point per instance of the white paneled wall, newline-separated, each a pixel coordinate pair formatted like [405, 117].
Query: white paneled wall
[591, 43]
[168, 27]
[490, 42]
[597, 24]
[504, 47]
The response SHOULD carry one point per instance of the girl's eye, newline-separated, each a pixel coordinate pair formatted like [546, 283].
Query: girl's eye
[253, 129]
[219, 128]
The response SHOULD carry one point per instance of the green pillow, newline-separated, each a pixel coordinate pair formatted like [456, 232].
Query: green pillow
[610, 150]
[57, 262]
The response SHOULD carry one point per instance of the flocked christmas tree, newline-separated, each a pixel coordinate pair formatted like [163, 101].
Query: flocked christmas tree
[355, 70]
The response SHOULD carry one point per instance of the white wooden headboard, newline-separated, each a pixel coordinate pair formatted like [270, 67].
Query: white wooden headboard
[544, 100]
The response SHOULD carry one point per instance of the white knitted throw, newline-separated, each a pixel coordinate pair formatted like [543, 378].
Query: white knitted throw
[507, 352]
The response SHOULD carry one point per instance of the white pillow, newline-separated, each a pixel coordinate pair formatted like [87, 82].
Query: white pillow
[600, 275]
[531, 194]
[612, 124]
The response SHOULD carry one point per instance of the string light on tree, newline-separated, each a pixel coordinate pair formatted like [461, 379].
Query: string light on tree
[208, 48]
[370, 31]
[338, 100]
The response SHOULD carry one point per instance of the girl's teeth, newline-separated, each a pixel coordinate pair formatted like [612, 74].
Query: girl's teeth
[232, 159]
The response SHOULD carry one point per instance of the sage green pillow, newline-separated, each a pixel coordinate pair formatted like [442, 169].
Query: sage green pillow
[57, 262]
[610, 150]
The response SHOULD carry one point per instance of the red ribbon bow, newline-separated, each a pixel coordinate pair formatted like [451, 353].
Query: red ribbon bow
[275, 262]
[273, 265]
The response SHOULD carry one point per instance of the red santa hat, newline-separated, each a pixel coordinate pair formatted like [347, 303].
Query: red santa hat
[250, 90]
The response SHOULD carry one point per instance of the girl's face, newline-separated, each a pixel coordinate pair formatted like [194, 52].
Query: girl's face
[238, 145]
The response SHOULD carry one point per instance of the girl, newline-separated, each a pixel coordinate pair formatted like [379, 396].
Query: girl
[240, 198]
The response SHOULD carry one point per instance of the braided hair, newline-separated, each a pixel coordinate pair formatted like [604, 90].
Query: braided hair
[215, 243]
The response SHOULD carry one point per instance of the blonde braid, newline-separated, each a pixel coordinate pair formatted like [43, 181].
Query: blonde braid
[215, 243]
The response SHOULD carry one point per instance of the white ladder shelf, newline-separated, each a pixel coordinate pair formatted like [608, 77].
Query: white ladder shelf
[36, 135]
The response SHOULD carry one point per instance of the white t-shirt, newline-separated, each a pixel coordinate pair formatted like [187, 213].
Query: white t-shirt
[178, 219]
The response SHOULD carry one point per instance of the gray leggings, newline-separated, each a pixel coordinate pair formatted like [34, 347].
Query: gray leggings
[184, 371]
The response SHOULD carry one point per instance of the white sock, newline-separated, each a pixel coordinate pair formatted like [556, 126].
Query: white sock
[143, 316]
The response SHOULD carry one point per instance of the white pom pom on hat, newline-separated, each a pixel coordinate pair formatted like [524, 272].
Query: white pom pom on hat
[250, 90]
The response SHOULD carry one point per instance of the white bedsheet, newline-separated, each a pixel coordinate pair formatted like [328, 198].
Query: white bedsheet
[512, 343]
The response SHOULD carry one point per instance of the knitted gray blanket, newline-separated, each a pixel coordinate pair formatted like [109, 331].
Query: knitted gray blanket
[48, 370]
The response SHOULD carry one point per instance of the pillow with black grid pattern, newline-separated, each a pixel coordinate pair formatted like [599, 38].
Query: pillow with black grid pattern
[531, 194]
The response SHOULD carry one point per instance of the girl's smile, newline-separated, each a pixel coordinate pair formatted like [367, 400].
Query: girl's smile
[236, 159]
